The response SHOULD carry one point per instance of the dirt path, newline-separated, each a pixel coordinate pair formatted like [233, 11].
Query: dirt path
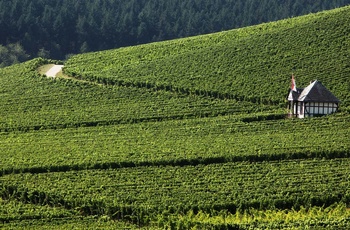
[54, 70]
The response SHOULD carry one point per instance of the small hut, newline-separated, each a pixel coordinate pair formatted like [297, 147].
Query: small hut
[314, 100]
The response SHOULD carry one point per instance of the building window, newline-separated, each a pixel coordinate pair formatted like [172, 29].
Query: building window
[312, 108]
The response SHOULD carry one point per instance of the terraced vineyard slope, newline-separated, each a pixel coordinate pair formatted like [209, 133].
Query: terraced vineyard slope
[250, 64]
[183, 134]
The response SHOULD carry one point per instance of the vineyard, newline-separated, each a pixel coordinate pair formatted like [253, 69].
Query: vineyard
[183, 134]
[247, 64]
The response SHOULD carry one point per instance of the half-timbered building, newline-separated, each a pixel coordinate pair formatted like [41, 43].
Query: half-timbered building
[314, 100]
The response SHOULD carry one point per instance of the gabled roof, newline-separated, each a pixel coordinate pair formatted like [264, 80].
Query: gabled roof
[294, 95]
[316, 92]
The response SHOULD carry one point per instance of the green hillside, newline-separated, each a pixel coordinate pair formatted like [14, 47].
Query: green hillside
[183, 134]
[250, 64]
[54, 29]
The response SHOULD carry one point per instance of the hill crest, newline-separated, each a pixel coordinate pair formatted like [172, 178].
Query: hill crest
[253, 63]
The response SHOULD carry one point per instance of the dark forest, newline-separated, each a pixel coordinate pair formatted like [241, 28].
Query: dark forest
[59, 28]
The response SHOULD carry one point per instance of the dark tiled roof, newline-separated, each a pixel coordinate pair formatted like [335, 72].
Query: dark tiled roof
[316, 92]
[294, 95]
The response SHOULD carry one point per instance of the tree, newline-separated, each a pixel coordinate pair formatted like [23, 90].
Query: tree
[84, 47]
[43, 53]
[12, 54]
[68, 26]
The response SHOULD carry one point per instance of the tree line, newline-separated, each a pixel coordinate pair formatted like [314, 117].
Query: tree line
[57, 28]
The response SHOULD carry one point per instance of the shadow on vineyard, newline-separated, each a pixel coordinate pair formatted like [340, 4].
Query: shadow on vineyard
[325, 154]
[174, 89]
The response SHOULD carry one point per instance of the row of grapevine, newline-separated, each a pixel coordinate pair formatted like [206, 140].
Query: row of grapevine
[181, 134]
[12, 210]
[43, 103]
[333, 217]
[179, 142]
[71, 223]
[140, 194]
[26, 215]
[252, 64]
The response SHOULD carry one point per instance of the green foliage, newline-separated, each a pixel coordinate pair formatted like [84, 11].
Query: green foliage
[333, 217]
[12, 54]
[140, 194]
[63, 103]
[177, 135]
[18, 215]
[64, 27]
[11, 210]
[179, 142]
[250, 64]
